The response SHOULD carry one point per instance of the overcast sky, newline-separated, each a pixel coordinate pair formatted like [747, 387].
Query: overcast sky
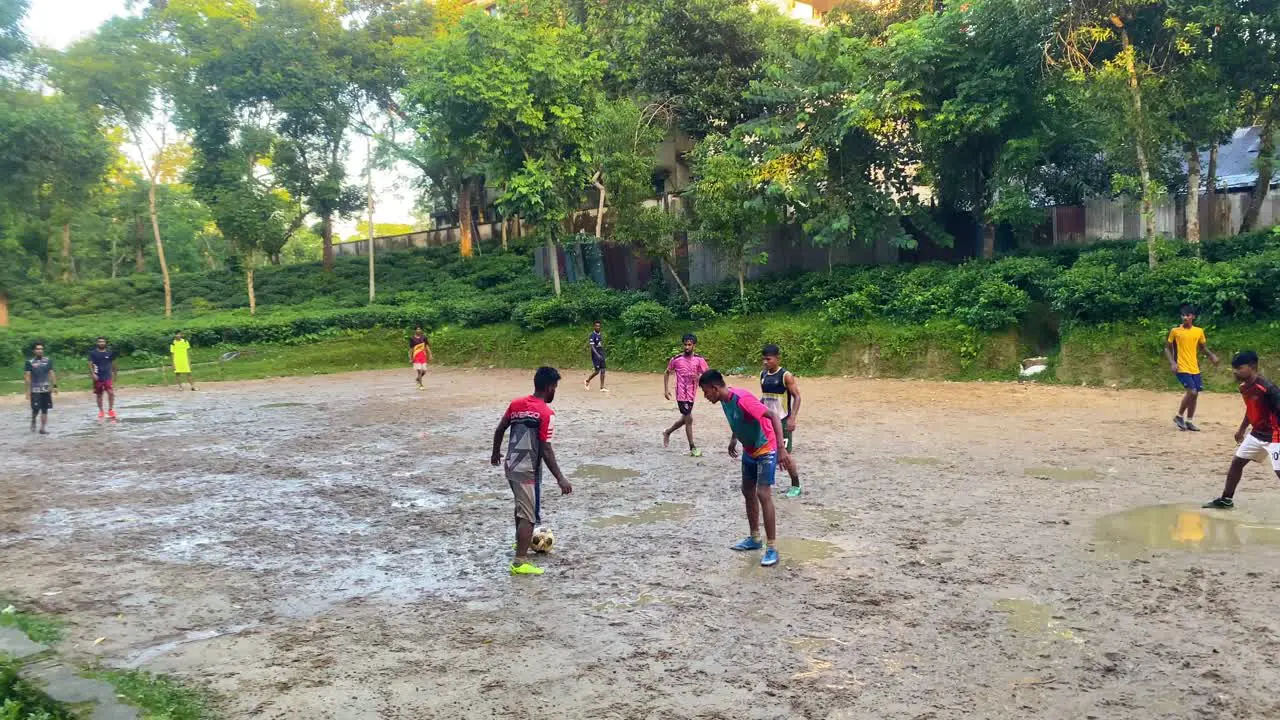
[58, 23]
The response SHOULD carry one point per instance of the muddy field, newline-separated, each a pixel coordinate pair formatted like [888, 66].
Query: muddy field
[337, 548]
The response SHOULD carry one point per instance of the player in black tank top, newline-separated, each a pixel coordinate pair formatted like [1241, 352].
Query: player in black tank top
[780, 392]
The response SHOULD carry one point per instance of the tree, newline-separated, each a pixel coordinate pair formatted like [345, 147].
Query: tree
[520, 94]
[122, 71]
[728, 213]
[703, 55]
[1116, 45]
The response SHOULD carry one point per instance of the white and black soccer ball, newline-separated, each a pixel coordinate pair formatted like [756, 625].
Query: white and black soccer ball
[543, 540]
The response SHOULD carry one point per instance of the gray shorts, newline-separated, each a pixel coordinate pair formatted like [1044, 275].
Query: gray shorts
[528, 497]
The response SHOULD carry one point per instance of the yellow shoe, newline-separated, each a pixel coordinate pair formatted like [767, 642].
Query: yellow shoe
[526, 569]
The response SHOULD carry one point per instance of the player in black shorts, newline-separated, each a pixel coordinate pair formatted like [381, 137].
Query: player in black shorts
[595, 343]
[41, 382]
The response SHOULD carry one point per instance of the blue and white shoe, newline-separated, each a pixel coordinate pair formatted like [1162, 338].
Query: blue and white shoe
[748, 544]
[770, 558]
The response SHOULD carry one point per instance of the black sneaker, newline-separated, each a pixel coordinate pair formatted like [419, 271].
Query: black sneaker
[1177, 420]
[1222, 503]
[1192, 426]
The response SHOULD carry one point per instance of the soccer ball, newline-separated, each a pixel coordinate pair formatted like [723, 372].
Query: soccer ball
[542, 540]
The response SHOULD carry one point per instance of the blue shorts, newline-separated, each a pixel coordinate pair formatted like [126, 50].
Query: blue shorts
[1190, 381]
[758, 471]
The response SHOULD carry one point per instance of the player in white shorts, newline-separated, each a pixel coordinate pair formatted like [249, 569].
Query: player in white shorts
[1262, 414]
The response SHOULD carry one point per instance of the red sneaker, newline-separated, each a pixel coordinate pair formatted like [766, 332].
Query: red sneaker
[101, 414]
[112, 414]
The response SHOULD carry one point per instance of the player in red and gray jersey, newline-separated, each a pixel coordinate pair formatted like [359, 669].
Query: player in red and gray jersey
[1262, 413]
[531, 423]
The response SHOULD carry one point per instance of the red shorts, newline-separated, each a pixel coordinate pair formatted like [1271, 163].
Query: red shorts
[101, 386]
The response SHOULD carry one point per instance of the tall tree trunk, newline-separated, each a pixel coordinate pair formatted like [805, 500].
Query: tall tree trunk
[988, 240]
[326, 232]
[1266, 169]
[553, 259]
[742, 282]
[164, 267]
[464, 220]
[1144, 168]
[68, 264]
[1210, 224]
[139, 260]
[506, 223]
[1193, 193]
[369, 192]
[4, 309]
[599, 207]
[676, 276]
[275, 258]
[248, 280]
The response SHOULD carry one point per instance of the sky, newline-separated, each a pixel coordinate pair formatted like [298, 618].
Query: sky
[58, 23]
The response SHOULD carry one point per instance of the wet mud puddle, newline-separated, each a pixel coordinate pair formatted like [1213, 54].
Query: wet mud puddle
[660, 512]
[604, 473]
[792, 552]
[1183, 527]
[1027, 617]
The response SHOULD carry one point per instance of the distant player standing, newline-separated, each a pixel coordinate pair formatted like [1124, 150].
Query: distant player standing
[759, 429]
[532, 425]
[1182, 349]
[1262, 412]
[595, 343]
[180, 350]
[419, 353]
[102, 365]
[687, 367]
[780, 392]
[42, 381]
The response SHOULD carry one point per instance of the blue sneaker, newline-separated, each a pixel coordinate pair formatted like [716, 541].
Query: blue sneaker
[770, 558]
[748, 544]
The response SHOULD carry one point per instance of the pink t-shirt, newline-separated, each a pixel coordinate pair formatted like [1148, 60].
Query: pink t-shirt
[687, 371]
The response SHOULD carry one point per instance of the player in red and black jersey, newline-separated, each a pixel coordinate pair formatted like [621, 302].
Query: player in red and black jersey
[1262, 413]
[532, 425]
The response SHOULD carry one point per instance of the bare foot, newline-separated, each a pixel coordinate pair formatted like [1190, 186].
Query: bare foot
[666, 438]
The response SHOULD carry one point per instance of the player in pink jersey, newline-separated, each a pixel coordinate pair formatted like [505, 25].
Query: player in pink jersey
[687, 367]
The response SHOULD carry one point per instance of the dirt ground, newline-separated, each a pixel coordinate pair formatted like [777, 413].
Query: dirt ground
[336, 547]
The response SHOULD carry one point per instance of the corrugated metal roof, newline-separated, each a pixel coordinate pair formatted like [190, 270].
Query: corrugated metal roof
[1236, 160]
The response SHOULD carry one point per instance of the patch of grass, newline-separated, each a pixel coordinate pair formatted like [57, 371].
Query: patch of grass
[157, 696]
[21, 700]
[40, 628]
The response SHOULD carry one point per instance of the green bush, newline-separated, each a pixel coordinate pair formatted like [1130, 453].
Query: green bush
[998, 305]
[851, 308]
[702, 313]
[647, 319]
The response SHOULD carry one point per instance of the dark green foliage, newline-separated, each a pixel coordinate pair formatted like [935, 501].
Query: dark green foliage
[20, 700]
[647, 319]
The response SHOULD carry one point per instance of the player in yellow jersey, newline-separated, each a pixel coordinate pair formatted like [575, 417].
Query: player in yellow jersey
[180, 350]
[1182, 349]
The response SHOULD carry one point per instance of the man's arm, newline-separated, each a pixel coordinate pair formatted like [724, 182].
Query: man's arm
[53, 380]
[549, 459]
[793, 388]
[1204, 343]
[113, 368]
[772, 417]
[1244, 425]
[1170, 354]
[666, 383]
[26, 375]
[497, 440]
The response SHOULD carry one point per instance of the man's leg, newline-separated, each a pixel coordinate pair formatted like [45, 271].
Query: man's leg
[111, 399]
[98, 395]
[191, 381]
[764, 496]
[44, 421]
[688, 431]
[587, 383]
[602, 371]
[1190, 403]
[666, 434]
[752, 502]
[524, 537]
[34, 413]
